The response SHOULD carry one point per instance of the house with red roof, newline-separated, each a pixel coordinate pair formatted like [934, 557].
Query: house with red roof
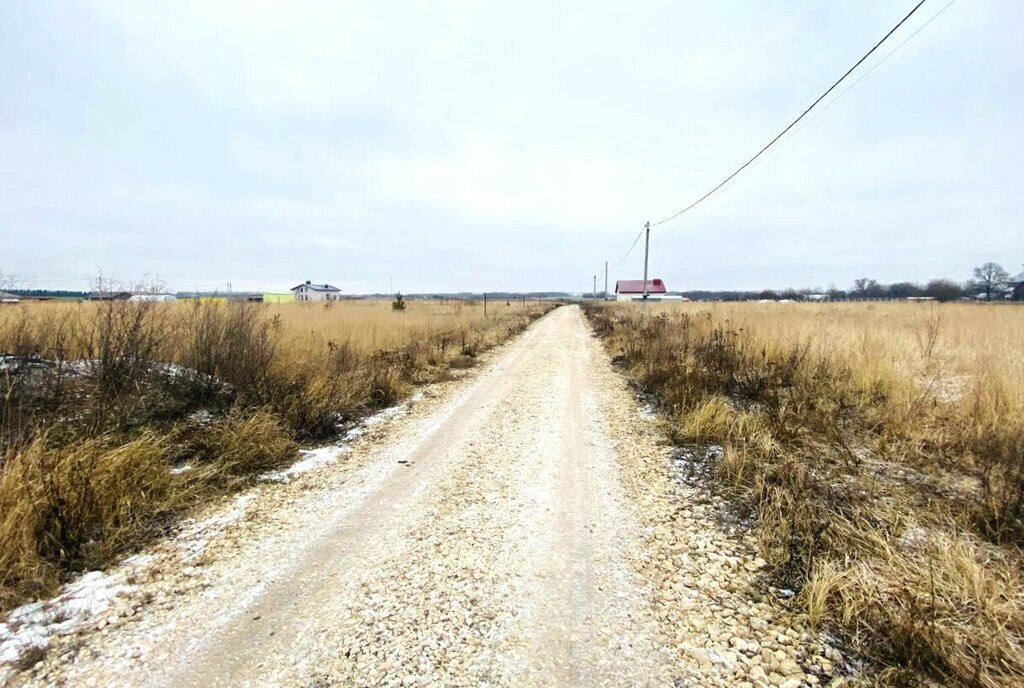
[631, 290]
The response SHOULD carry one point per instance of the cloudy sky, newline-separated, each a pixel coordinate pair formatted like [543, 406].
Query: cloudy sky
[518, 145]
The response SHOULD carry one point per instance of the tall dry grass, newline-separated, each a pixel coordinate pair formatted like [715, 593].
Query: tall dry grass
[101, 400]
[881, 447]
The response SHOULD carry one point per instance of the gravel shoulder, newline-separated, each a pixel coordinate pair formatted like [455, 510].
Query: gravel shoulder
[520, 527]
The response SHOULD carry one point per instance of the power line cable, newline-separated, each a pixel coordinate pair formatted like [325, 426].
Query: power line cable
[632, 246]
[866, 73]
[846, 90]
[795, 121]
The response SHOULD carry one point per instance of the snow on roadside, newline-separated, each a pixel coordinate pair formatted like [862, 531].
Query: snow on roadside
[313, 458]
[321, 456]
[30, 629]
[194, 536]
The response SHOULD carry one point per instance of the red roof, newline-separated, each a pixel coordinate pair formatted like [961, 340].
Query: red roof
[654, 286]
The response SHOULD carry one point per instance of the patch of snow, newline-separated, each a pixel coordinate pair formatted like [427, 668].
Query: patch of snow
[196, 535]
[322, 456]
[648, 411]
[386, 414]
[314, 458]
[32, 627]
[178, 470]
[200, 417]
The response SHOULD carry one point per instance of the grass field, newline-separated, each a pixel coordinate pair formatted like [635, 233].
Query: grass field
[881, 448]
[102, 400]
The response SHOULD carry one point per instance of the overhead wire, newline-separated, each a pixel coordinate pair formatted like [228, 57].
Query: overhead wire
[846, 90]
[631, 247]
[795, 121]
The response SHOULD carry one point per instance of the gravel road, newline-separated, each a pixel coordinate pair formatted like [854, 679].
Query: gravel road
[523, 526]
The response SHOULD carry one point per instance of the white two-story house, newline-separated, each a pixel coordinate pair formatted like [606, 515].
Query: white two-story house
[316, 292]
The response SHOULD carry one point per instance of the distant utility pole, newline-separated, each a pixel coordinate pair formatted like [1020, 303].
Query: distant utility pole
[485, 304]
[595, 287]
[647, 249]
[606, 280]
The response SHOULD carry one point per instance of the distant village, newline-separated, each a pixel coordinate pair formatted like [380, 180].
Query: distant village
[990, 283]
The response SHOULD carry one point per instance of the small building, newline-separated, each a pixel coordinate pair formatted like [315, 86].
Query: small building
[316, 292]
[631, 290]
[7, 297]
[274, 297]
[108, 296]
[1016, 285]
[160, 298]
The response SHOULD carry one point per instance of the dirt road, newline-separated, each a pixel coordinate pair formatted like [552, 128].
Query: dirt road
[519, 528]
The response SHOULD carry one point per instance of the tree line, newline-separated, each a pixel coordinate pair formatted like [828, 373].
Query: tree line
[990, 282]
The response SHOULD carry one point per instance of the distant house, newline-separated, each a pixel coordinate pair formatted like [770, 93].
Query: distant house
[316, 292]
[108, 296]
[7, 297]
[630, 290]
[153, 297]
[1016, 285]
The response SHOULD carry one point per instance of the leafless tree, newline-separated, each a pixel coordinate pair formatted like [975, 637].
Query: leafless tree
[991, 278]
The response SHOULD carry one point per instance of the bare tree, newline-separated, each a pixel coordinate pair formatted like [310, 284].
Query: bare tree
[866, 288]
[991, 278]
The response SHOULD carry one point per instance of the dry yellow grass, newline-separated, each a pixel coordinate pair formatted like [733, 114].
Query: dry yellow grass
[956, 344]
[373, 325]
[881, 446]
[101, 400]
[367, 325]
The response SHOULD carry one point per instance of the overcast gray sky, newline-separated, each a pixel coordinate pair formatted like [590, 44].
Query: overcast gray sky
[517, 145]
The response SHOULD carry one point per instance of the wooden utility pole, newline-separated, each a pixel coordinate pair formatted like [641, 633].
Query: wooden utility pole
[485, 304]
[647, 248]
[595, 288]
[606, 280]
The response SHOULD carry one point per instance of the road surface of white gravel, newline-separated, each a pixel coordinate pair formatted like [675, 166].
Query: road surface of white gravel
[520, 527]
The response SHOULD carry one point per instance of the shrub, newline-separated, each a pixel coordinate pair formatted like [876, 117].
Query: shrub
[230, 450]
[72, 507]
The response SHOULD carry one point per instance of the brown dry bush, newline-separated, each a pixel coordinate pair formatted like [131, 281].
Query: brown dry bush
[229, 451]
[72, 507]
[888, 509]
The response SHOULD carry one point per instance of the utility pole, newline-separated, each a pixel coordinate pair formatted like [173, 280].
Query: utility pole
[485, 305]
[647, 247]
[606, 280]
[595, 288]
